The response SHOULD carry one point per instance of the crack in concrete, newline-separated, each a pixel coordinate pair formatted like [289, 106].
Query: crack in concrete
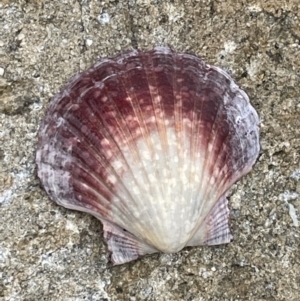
[81, 14]
[84, 46]
[133, 38]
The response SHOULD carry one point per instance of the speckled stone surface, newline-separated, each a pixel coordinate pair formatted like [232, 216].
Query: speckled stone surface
[50, 253]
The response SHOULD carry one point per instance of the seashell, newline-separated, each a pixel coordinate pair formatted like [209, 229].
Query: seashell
[149, 143]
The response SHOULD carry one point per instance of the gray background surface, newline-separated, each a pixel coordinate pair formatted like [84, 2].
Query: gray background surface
[50, 253]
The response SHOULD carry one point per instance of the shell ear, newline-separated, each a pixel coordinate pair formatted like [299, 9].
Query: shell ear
[124, 246]
[215, 228]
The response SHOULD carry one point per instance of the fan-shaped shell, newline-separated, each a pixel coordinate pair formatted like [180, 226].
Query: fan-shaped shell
[149, 143]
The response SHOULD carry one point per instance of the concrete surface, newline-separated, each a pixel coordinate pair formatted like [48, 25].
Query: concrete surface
[49, 253]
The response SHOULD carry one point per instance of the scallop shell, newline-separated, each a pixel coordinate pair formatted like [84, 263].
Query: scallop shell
[149, 143]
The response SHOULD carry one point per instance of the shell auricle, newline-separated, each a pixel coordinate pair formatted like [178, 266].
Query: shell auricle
[149, 143]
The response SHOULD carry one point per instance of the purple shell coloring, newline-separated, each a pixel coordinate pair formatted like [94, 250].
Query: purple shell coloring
[149, 143]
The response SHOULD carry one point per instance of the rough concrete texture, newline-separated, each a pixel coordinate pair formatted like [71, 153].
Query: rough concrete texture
[50, 253]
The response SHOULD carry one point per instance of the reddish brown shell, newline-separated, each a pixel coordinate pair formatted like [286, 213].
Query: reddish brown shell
[149, 143]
